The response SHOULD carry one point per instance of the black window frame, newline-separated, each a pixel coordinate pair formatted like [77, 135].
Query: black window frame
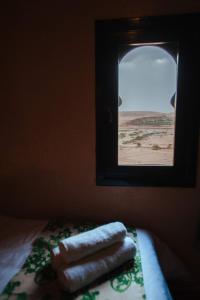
[112, 35]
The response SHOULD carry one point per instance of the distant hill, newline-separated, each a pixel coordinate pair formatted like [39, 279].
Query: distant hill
[144, 118]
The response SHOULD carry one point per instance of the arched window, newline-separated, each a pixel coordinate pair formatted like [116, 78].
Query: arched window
[147, 100]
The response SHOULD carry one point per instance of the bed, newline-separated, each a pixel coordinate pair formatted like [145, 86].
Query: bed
[26, 272]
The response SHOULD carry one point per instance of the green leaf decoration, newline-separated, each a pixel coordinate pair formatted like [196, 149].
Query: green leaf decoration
[45, 275]
[54, 239]
[85, 227]
[22, 296]
[133, 232]
[132, 274]
[90, 295]
[39, 257]
[122, 282]
[9, 289]
[137, 271]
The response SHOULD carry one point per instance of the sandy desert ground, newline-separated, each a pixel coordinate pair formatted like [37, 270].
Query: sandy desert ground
[145, 138]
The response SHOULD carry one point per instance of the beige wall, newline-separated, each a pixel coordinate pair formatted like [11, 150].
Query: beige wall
[47, 116]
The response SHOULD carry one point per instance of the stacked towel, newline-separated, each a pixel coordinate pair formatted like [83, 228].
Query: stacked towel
[86, 243]
[82, 273]
[81, 259]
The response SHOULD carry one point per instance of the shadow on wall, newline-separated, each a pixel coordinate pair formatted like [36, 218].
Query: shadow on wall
[28, 191]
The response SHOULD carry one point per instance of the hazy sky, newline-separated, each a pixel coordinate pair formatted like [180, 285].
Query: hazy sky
[147, 79]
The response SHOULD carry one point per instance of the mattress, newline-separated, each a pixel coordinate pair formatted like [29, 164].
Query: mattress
[138, 279]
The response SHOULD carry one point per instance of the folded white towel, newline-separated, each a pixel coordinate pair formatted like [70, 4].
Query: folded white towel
[85, 271]
[84, 244]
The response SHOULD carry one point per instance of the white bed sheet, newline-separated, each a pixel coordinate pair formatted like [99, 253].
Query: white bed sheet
[155, 284]
[17, 235]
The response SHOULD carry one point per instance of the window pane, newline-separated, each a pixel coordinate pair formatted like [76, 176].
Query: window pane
[147, 105]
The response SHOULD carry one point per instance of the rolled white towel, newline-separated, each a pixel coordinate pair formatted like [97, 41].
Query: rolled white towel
[84, 244]
[85, 271]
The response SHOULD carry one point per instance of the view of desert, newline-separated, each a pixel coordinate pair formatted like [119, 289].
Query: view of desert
[147, 81]
[145, 138]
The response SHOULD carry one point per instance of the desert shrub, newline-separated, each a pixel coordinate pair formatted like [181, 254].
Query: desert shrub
[122, 135]
[138, 138]
[132, 134]
[144, 135]
[156, 147]
[169, 146]
[135, 138]
[155, 121]
[131, 141]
